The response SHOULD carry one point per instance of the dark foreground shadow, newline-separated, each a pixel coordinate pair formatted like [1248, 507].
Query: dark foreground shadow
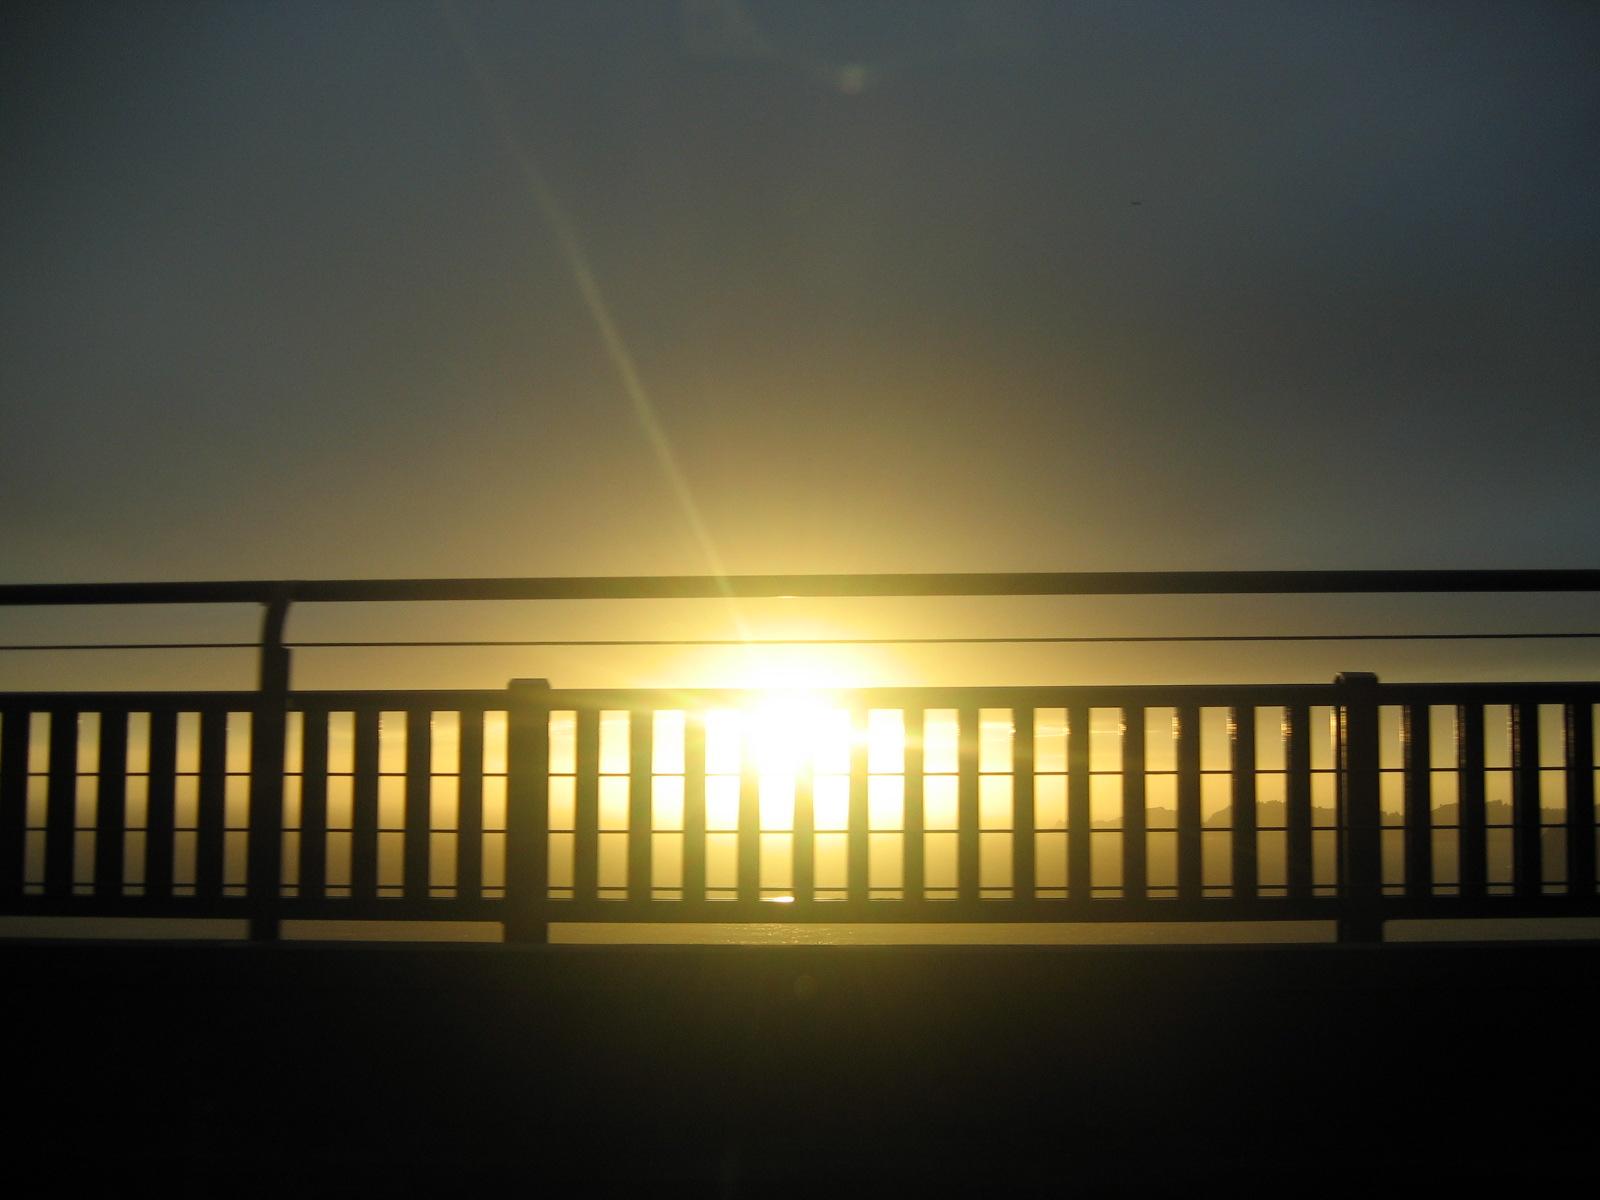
[317, 1071]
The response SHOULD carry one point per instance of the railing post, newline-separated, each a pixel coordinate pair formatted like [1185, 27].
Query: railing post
[268, 736]
[527, 811]
[1360, 813]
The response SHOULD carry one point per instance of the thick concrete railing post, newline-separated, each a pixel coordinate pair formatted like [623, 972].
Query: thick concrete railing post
[527, 810]
[1360, 811]
[268, 736]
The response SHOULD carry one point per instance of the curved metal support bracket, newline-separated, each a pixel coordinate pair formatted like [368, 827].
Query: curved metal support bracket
[274, 654]
[268, 737]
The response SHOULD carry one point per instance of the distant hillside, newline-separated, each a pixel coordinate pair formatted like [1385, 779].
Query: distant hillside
[1273, 814]
[1161, 851]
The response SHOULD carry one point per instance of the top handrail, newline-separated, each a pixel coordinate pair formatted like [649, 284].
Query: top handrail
[652, 587]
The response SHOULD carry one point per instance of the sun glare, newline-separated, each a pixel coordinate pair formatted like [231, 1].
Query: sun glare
[783, 750]
[786, 668]
[790, 730]
[792, 734]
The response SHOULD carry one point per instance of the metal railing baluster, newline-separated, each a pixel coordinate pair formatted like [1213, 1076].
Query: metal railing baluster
[527, 837]
[313, 804]
[857, 840]
[694, 804]
[1579, 739]
[641, 758]
[804, 837]
[967, 836]
[1416, 751]
[211, 818]
[418, 796]
[1299, 876]
[529, 799]
[61, 803]
[1023, 855]
[747, 841]
[915, 861]
[1135, 838]
[162, 811]
[1242, 771]
[110, 841]
[1079, 811]
[1473, 815]
[1190, 857]
[364, 805]
[586, 837]
[1527, 832]
[14, 737]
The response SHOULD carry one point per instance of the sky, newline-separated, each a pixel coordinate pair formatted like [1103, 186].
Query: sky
[358, 289]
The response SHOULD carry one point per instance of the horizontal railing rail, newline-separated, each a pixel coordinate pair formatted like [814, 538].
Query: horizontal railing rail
[1355, 802]
[645, 587]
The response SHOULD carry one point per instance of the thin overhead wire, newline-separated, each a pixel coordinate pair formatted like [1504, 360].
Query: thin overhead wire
[140, 646]
[901, 641]
[990, 641]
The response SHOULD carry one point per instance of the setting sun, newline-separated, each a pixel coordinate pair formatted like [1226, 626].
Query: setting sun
[791, 730]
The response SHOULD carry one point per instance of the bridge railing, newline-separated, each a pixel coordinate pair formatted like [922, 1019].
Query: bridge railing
[1352, 801]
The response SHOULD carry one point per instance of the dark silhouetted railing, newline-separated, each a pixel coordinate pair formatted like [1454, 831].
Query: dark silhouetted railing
[1353, 801]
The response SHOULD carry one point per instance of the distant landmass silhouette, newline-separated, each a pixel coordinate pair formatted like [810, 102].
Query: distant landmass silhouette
[1161, 863]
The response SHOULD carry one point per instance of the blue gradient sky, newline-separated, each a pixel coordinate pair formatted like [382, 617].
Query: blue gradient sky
[1066, 286]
